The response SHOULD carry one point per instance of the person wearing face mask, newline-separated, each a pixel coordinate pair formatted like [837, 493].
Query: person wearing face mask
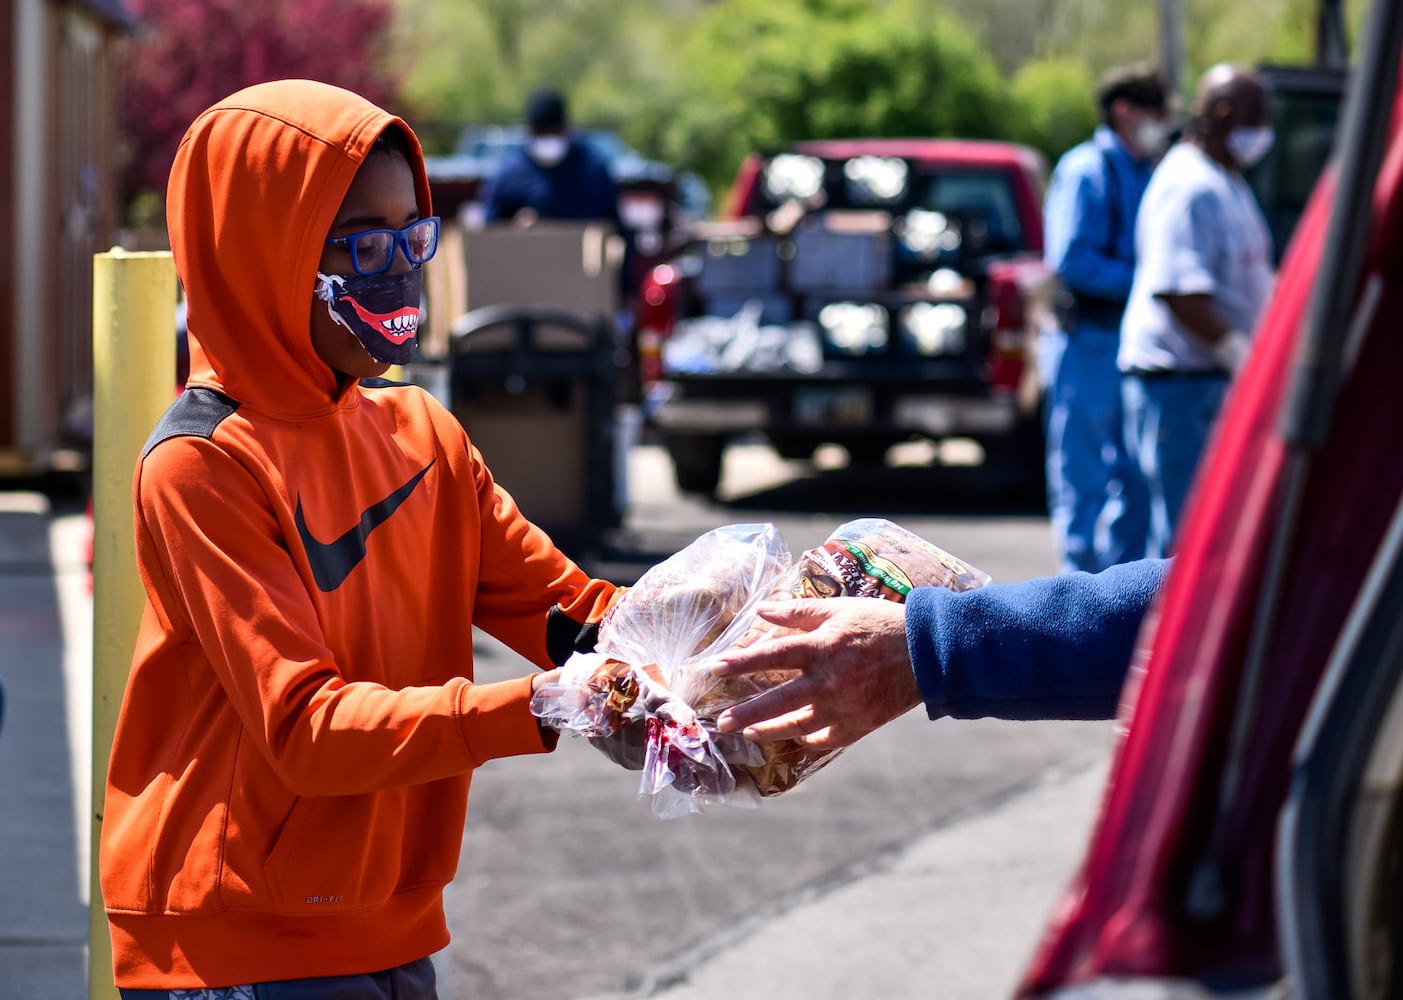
[289, 776]
[1203, 276]
[554, 174]
[557, 175]
[1096, 500]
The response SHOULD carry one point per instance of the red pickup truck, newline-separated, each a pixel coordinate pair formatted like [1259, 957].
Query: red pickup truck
[859, 292]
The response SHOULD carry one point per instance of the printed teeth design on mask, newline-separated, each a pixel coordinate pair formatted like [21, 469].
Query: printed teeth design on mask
[402, 327]
[397, 327]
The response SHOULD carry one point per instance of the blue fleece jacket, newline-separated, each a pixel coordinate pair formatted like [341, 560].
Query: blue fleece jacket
[578, 187]
[1053, 648]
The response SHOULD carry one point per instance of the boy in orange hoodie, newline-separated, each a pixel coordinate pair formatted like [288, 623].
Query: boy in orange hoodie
[289, 776]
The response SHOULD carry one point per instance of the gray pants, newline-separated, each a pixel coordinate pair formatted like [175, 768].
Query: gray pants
[414, 981]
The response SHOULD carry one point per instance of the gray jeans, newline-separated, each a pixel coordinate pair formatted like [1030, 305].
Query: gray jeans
[414, 981]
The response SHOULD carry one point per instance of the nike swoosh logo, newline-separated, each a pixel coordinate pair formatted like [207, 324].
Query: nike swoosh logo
[332, 562]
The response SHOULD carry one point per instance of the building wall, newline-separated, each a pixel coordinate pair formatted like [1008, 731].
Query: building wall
[83, 116]
[61, 209]
[9, 99]
[29, 158]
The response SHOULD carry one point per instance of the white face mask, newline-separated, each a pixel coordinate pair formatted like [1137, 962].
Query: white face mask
[548, 150]
[1151, 138]
[1248, 145]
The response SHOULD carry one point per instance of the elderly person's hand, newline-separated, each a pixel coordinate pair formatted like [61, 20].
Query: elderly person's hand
[854, 672]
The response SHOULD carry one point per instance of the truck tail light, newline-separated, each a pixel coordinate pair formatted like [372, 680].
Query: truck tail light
[1008, 332]
[657, 312]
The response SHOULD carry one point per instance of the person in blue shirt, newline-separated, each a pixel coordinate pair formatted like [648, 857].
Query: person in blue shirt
[1096, 498]
[553, 175]
[1051, 648]
[556, 175]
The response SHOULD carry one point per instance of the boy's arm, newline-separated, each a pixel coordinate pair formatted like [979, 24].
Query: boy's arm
[218, 574]
[530, 595]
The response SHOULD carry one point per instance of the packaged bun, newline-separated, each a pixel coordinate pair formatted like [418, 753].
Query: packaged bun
[687, 606]
[870, 557]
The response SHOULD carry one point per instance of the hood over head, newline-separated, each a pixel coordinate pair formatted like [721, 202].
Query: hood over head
[256, 184]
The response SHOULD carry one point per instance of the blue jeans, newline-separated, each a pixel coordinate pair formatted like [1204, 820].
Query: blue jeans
[1095, 496]
[414, 981]
[1168, 420]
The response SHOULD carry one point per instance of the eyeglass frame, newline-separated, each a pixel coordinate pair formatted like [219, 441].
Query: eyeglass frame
[401, 243]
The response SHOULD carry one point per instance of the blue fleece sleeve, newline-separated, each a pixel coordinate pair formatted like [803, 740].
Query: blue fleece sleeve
[1053, 648]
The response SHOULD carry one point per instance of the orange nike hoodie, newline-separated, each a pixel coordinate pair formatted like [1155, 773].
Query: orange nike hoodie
[289, 777]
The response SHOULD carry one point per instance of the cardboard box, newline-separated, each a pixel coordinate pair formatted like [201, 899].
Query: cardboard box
[739, 266]
[566, 265]
[840, 262]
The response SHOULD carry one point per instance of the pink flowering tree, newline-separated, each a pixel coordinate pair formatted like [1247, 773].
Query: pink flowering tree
[188, 55]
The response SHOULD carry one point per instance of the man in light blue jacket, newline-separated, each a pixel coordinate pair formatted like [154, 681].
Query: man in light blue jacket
[1096, 498]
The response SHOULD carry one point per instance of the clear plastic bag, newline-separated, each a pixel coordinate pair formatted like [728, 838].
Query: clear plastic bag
[643, 701]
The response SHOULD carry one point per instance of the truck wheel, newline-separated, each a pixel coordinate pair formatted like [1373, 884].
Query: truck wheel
[696, 461]
[867, 454]
[793, 447]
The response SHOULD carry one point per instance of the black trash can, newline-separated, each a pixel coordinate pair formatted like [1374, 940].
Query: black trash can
[535, 389]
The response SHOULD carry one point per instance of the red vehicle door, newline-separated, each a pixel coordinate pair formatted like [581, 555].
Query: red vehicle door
[1295, 500]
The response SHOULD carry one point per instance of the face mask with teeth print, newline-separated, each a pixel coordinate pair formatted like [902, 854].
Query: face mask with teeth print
[382, 310]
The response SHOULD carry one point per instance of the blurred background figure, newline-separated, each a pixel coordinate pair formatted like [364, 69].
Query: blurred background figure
[552, 176]
[1203, 276]
[555, 176]
[1096, 500]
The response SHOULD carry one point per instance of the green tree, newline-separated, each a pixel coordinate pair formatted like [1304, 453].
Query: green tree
[756, 74]
[701, 82]
[1276, 31]
[475, 61]
[1056, 104]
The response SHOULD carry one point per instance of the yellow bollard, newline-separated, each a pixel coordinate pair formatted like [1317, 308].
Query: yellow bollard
[134, 299]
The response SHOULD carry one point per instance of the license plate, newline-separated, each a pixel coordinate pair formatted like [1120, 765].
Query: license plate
[848, 406]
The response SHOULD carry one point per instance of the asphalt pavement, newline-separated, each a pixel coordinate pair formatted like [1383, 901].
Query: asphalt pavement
[918, 904]
[45, 665]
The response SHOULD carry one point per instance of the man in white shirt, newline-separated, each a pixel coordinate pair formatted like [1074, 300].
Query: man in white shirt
[1203, 276]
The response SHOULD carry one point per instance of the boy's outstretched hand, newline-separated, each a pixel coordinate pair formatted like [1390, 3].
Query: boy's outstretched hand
[854, 672]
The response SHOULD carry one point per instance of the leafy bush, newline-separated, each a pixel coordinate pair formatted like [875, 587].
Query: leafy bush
[756, 74]
[1056, 105]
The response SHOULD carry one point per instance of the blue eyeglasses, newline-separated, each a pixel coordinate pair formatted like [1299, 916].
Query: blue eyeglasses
[373, 250]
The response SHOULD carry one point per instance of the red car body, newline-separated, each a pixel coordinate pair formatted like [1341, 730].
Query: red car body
[1026, 170]
[1248, 838]
[868, 398]
[1013, 281]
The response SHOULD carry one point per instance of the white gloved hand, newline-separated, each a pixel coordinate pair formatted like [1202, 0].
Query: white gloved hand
[1232, 349]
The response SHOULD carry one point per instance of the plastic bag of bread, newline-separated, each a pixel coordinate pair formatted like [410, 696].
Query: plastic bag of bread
[632, 697]
[644, 698]
[869, 557]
